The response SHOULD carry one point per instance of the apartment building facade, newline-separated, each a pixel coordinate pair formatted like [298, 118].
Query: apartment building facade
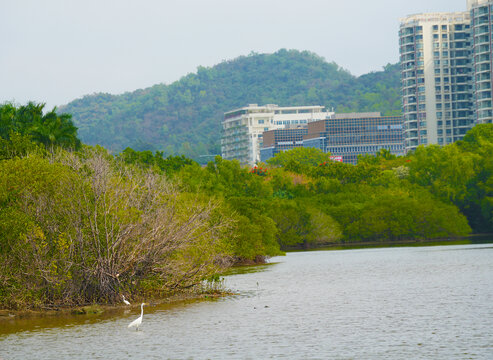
[446, 73]
[436, 78]
[243, 128]
[481, 13]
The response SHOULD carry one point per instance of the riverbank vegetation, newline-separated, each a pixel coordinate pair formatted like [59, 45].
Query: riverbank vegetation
[79, 225]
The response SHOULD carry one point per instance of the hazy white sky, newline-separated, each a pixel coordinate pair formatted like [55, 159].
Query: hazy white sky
[54, 51]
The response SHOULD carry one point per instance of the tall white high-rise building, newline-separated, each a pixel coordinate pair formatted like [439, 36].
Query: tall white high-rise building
[436, 78]
[481, 12]
[446, 71]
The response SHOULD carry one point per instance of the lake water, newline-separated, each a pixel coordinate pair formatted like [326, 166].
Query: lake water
[386, 303]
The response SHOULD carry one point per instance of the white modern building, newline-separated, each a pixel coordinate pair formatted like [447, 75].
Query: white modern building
[243, 128]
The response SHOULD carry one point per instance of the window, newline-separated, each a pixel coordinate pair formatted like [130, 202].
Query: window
[261, 121]
[435, 27]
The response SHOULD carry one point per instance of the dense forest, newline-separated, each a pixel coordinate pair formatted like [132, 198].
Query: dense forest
[80, 225]
[160, 117]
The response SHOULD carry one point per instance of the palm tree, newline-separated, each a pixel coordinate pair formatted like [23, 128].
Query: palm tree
[28, 120]
[55, 130]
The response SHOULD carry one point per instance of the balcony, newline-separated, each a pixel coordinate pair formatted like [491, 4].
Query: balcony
[407, 40]
[481, 39]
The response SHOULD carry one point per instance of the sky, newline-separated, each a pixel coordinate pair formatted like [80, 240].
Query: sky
[54, 51]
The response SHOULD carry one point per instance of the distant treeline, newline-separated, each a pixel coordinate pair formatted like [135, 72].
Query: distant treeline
[162, 117]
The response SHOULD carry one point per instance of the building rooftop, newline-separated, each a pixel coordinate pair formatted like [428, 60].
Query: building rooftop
[434, 17]
[473, 3]
[356, 115]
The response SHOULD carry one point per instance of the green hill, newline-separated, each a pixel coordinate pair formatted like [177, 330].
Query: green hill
[185, 116]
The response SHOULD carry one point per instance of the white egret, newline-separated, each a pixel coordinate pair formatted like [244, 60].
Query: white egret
[125, 300]
[138, 321]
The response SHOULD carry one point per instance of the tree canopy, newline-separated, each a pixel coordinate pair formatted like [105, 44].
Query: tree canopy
[49, 129]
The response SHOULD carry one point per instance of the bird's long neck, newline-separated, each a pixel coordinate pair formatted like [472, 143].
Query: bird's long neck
[142, 310]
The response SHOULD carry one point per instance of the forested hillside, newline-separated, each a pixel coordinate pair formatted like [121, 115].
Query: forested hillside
[185, 116]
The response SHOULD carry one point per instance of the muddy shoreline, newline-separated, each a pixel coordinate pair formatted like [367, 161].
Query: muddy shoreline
[95, 309]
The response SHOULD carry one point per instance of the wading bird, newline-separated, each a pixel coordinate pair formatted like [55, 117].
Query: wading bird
[125, 300]
[138, 321]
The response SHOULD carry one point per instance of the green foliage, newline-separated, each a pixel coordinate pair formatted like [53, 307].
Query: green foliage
[460, 173]
[17, 145]
[299, 160]
[156, 161]
[78, 228]
[255, 231]
[161, 117]
[393, 216]
[29, 122]
[301, 224]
